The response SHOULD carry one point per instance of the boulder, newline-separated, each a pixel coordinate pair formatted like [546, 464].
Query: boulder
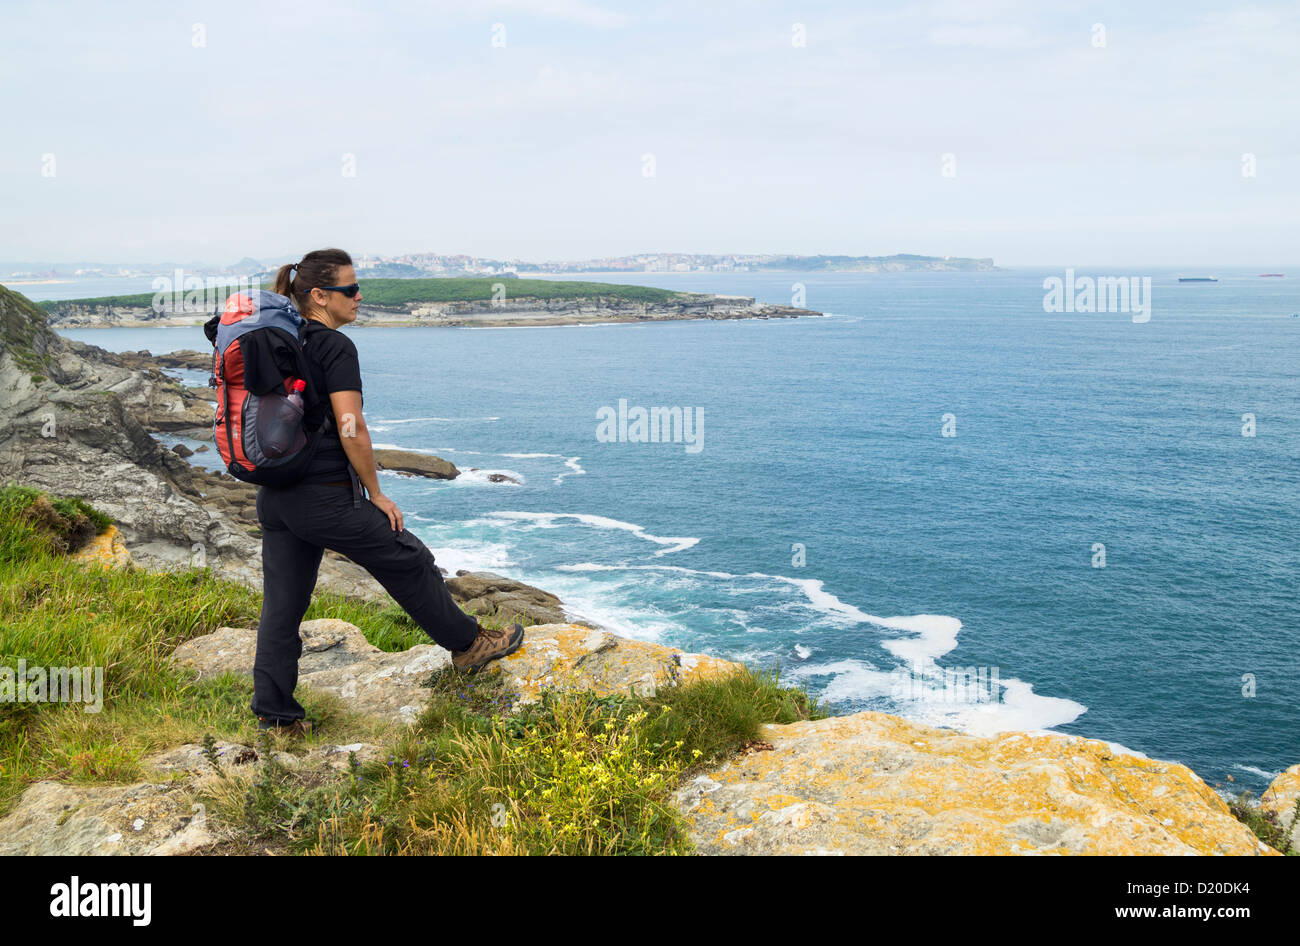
[582, 658]
[337, 659]
[877, 784]
[488, 593]
[415, 464]
[58, 818]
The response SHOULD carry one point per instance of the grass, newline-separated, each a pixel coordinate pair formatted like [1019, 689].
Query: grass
[573, 773]
[400, 292]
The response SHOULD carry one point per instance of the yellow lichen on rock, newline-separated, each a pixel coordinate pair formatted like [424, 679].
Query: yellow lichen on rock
[108, 550]
[568, 655]
[1281, 797]
[871, 783]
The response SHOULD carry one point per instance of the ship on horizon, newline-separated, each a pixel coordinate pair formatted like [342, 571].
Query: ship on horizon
[1198, 278]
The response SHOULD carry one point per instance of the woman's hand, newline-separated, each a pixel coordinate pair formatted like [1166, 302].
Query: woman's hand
[389, 508]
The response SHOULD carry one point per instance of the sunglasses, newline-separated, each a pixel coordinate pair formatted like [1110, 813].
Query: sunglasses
[349, 291]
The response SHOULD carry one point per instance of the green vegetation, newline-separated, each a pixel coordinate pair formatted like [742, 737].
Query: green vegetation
[21, 325]
[572, 773]
[1265, 823]
[400, 292]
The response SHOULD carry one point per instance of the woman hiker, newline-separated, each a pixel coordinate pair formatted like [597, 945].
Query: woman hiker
[323, 511]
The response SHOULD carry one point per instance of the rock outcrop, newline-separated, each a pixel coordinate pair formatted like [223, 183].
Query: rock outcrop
[415, 464]
[75, 420]
[877, 784]
[71, 424]
[337, 659]
[488, 593]
[79, 820]
[583, 658]
[1281, 798]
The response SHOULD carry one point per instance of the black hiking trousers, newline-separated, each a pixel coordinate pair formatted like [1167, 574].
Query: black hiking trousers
[298, 523]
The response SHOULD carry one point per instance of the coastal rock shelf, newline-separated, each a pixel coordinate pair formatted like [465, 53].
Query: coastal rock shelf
[869, 783]
[877, 784]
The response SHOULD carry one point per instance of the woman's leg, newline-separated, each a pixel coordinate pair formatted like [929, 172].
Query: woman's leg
[397, 560]
[289, 567]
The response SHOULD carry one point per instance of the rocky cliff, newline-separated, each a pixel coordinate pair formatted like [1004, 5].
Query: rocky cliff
[75, 420]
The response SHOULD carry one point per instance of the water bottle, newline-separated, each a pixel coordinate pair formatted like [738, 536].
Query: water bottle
[279, 422]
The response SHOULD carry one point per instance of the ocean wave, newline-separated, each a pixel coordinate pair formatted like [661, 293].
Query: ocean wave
[446, 420]
[1266, 776]
[473, 556]
[595, 567]
[549, 520]
[574, 468]
[482, 478]
[918, 695]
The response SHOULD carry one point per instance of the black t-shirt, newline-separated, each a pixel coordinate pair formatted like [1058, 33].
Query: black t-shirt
[332, 357]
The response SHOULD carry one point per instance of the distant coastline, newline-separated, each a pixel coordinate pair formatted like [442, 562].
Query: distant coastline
[441, 302]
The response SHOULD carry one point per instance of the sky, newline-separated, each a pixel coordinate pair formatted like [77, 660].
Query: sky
[1036, 133]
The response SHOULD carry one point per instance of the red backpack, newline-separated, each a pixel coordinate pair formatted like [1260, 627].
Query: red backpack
[258, 361]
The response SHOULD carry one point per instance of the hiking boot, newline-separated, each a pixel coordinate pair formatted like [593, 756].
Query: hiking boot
[296, 729]
[488, 646]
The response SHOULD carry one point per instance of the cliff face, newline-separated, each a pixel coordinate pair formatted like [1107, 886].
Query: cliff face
[75, 420]
[71, 424]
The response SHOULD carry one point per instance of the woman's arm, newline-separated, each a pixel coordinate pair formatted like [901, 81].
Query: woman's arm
[356, 444]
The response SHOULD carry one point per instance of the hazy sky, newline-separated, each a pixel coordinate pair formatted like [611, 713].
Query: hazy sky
[209, 131]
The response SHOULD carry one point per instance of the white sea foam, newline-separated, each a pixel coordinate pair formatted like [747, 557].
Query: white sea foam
[802, 652]
[937, 633]
[549, 520]
[444, 420]
[595, 567]
[852, 679]
[474, 556]
[481, 478]
[1015, 708]
[574, 469]
[1268, 776]
[430, 451]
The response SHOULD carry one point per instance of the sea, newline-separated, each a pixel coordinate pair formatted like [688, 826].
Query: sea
[930, 497]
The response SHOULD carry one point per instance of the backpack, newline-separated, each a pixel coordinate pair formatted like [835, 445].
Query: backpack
[260, 434]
